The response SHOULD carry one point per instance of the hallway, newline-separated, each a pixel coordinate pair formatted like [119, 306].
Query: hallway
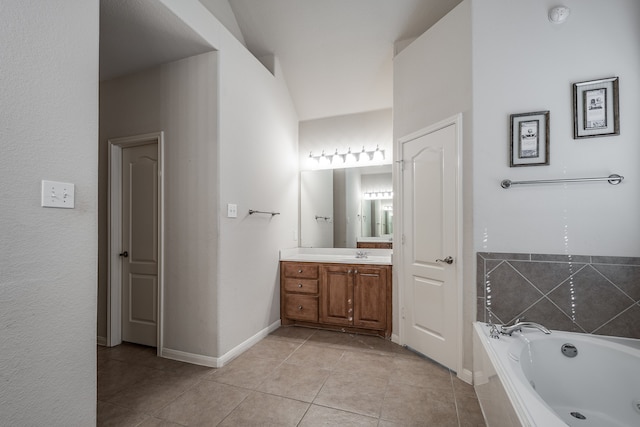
[295, 376]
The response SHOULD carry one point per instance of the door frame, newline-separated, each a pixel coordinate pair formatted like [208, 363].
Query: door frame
[114, 208]
[398, 205]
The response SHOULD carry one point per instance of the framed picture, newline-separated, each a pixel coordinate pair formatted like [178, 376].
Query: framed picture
[595, 108]
[530, 139]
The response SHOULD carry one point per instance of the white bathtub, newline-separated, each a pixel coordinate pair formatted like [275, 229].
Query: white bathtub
[526, 379]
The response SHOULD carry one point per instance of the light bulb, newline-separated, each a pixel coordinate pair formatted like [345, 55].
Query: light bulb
[312, 161]
[378, 155]
[337, 159]
[350, 158]
[364, 157]
[324, 160]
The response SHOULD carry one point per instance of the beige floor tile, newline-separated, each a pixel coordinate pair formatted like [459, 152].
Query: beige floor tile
[273, 348]
[293, 332]
[420, 372]
[117, 416]
[363, 363]
[118, 377]
[469, 412]
[316, 356]
[411, 405]
[362, 394]
[461, 389]
[245, 371]
[320, 416]
[153, 393]
[295, 381]
[261, 409]
[383, 346]
[205, 404]
[335, 339]
[157, 422]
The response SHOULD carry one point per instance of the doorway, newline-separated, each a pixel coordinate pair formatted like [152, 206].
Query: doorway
[136, 250]
[430, 275]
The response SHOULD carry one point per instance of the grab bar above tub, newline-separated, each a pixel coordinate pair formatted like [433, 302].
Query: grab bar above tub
[613, 179]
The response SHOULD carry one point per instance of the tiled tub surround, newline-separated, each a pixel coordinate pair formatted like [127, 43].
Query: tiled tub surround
[592, 294]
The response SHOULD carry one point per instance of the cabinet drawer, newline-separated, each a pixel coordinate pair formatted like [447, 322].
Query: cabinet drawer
[301, 307]
[305, 270]
[305, 286]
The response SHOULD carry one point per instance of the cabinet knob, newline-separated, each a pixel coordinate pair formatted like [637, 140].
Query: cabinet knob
[300, 271]
[349, 272]
[351, 310]
[350, 319]
[299, 307]
[299, 285]
[349, 301]
[355, 271]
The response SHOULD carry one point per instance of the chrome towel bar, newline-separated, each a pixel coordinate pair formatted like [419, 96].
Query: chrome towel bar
[251, 212]
[613, 179]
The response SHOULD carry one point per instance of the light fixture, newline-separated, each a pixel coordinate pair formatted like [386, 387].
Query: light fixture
[338, 160]
[559, 14]
[377, 195]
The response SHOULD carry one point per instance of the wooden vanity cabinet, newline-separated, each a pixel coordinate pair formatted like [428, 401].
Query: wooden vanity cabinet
[355, 298]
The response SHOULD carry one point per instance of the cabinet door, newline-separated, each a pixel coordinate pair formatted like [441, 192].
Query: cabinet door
[370, 297]
[336, 295]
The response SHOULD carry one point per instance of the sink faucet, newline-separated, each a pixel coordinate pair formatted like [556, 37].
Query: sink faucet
[361, 254]
[508, 330]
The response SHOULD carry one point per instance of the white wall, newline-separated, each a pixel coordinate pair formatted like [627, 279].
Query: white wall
[48, 130]
[524, 63]
[180, 99]
[258, 138]
[432, 82]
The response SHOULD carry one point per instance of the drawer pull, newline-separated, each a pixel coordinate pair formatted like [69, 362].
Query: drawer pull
[299, 285]
[299, 307]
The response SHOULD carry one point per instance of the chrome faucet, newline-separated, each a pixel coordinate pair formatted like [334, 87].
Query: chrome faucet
[361, 254]
[508, 330]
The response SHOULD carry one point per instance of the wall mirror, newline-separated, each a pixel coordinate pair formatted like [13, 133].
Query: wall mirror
[341, 207]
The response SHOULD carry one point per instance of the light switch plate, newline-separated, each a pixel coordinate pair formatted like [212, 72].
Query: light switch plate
[232, 210]
[58, 195]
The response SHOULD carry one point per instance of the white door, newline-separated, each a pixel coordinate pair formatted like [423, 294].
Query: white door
[140, 244]
[430, 222]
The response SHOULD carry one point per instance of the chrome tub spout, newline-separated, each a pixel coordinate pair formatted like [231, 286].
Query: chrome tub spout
[508, 330]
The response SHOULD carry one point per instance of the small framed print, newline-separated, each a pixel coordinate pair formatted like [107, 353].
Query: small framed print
[595, 108]
[530, 139]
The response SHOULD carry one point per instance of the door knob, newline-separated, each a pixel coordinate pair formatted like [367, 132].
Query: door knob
[447, 260]
[125, 254]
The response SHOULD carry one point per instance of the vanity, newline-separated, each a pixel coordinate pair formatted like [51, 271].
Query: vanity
[337, 289]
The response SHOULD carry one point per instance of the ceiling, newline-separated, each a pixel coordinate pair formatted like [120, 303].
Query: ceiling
[335, 55]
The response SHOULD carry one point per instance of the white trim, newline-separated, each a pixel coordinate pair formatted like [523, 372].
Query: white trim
[114, 293]
[395, 339]
[102, 341]
[399, 249]
[219, 362]
[466, 376]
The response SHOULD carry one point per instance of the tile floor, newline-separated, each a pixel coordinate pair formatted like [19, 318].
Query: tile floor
[294, 377]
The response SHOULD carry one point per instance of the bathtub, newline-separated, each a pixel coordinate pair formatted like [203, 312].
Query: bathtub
[530, 379]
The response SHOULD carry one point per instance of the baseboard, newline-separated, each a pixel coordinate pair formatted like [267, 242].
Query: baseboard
[102, 341]
[244, 346]
[183, 356]
[395, 338]
[218, 362]
[466, 376]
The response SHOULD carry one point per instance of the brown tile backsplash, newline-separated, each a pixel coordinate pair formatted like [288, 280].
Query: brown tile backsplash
[592, 294]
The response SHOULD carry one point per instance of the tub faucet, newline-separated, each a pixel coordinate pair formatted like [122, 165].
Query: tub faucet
[508, 330]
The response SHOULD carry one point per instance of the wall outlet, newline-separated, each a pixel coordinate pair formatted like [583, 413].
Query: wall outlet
[232, 210]
[58, 195]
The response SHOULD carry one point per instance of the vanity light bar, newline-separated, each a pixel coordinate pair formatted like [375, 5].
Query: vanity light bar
[373, 195]
[349, 158]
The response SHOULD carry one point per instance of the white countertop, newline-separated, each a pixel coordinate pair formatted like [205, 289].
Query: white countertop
[337, 255]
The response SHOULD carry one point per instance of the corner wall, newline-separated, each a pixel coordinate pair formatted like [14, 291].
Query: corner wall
[48, 130]
[432, 82]
[180, 99]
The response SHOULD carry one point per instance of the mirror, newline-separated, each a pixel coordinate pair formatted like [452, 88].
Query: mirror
[340, 208]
